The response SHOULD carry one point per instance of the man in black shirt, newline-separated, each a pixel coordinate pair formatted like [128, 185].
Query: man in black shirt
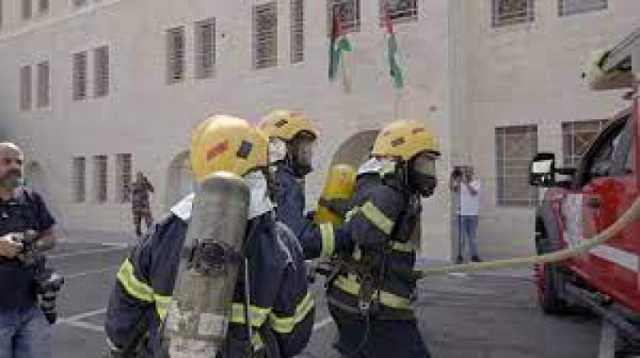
[24, 332]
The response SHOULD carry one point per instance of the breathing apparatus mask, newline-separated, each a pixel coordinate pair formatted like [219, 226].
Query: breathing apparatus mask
[298, 153]
[422, 174]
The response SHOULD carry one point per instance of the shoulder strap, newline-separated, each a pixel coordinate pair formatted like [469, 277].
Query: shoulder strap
[25, 195]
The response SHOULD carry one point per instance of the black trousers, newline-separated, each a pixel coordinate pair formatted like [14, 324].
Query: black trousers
[384, 338]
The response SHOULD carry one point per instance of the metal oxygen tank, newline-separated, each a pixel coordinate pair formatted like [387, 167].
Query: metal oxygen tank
[340, 184]
[197, 317]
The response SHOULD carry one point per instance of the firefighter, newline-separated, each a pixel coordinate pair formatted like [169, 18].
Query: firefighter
[371, 293]
[292, 137]
[281, 307]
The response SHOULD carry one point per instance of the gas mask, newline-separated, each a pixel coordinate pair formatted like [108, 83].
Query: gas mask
[422, 174]
[300, 154]
[277, 150]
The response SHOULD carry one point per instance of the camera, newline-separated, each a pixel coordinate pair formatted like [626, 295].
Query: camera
[48, 283]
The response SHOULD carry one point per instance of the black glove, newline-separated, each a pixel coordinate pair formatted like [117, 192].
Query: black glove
[337, 206]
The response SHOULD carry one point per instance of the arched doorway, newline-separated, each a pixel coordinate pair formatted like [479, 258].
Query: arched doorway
[179, 179]
[355, 150]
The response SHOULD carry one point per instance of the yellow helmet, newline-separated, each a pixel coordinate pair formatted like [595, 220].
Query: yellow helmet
[225, 143]
[286, 125]
[405, 139]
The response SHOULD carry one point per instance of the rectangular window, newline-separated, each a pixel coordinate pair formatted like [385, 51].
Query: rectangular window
[510, 12]
[80, 76]
[26, 9]
[44, 84]
[78, 179]
[347, 12]
[43, 7]
[297, 31]
[101, 71]
[399, 10]
[175, 55]
[515, 148]
[25, 88]
[205, 55]
[576, 139]
[100, 178]
[265, 35]
[123, 177]
[570, 7]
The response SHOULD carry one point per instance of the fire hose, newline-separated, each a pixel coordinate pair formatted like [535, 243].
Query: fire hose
[631, 215]
[337, 187]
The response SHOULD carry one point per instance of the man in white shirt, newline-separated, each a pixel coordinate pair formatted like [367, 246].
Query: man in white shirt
[468, 189]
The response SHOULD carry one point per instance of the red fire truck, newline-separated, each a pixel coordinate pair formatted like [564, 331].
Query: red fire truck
[582, 201]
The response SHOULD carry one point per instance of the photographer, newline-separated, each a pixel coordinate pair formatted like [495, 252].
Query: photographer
[467, 189]
[24, 331]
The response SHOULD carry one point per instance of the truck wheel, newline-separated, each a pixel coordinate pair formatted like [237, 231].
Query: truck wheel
[550, 298]
[549, 278]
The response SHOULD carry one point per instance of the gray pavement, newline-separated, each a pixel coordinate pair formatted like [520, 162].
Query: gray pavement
[468, 316]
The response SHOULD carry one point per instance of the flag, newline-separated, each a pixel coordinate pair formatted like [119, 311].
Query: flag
[339, 45]
[392, 50]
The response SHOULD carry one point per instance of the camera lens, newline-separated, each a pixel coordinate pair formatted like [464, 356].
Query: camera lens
[48, 305]
[48, 285]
